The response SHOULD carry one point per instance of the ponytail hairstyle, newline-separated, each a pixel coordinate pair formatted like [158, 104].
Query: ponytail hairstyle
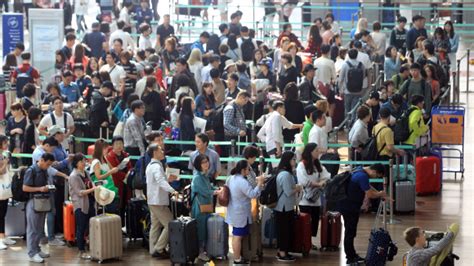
[307, 158]
[241, 165]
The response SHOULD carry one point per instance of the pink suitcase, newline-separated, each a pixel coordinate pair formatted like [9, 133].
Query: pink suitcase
[3, 106]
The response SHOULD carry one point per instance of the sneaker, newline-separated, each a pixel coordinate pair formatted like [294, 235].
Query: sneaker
[203, 257]
[287, 258]
[3, 246]
[359, 259]
[43, 255]
[59, 236]
[37, 259]
[242, 261]
[8, 241]
[85, 256]
[56, 242]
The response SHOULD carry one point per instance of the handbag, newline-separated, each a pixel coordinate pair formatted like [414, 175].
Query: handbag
[41, 203]
[204, 208]
[118, 131]
[5, 186]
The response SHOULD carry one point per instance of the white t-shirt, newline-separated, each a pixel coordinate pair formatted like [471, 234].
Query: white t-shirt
[380, 41]
[125, 37]
[304, 179]
[325, 70]
[144, 42]
[319, 136]
[116, 73]
[47, 122]
[272, 130]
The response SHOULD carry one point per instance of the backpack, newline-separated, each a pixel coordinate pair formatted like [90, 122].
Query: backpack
[355, 78]
[213, 43]
[137, 175]
[336, 188]
[370, 151]
[217, 120]
[269, 195]
[17, 185]
[22, 79]
[401, 131]
[247, 49]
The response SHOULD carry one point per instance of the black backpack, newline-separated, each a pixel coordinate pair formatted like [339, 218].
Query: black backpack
[370, 151]
[17, 185]
[137, 177]
[355, 78]
[22, 79]
[247, 49]
[401, 131]
[336, 188]
[213, 43]
[269, 195]
[217, 120]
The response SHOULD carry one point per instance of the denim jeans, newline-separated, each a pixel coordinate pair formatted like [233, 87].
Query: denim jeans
[350, 100]
[82, 226]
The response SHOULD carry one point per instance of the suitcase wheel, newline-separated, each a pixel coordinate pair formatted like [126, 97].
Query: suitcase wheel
[306, 254]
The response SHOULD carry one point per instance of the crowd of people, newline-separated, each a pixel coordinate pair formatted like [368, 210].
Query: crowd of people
[227, 85]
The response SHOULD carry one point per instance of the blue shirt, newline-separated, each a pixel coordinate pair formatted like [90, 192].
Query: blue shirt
[94, 40]
[61, 156]
[141, 14]
[395, 113]
[72, 92]
[214, 161]
[197, 44]
[239, 212]
[356, 189]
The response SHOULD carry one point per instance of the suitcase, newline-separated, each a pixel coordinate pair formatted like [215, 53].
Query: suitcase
[105, 233]
[268, 228]
[69, 223]
[428, 173]
[380, 246]
[405, 196]
[15, 220]
[217, 237]
[136, 212]
[331, 228]
[252, 244]
[437, 152]
[338, 116]
[183, 240]
[302, 234]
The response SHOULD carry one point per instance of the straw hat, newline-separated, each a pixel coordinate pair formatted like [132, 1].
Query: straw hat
[103, 196]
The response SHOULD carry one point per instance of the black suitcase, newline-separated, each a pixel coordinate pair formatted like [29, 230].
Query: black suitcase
[137, 210]
[183, 240]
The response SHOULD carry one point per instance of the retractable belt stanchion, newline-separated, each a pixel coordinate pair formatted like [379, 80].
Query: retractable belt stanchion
[390, 185]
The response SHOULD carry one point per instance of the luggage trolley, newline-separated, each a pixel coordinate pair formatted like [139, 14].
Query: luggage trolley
[447, 135]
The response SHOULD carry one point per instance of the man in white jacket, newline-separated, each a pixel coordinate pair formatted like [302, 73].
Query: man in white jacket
[158, 190]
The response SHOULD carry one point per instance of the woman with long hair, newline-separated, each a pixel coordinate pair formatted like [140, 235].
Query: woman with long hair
[100, 171]
[287, 191]
[79, 57]
[253, 66]
[454, 41]
[295, 110]
[8, 68]
[312, 177]
[205, 102]
[432, 78]
[185, 122]
[195, 65]
[154, 109]
[314, 41]
[284, 45]
[392, 62]
[239, 214]
[362, 25]
[336, 44]
[441, 43]
[297, 61]
[92, 66]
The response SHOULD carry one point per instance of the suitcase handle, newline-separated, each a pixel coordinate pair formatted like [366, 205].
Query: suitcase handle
[381, 212]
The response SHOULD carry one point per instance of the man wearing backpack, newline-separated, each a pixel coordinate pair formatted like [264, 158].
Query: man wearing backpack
[234, 118]
[416, 85]
[416, 122]
[351, 81]
[385, 137]
[357, 189]
[24, 74]
[60, 118]
[246, 45]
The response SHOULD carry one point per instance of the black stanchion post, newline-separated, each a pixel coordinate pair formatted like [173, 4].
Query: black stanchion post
[467, 70]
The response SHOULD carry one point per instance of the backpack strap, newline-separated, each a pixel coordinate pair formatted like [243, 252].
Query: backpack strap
[376, 135]
[53, 119]
[65, 121]
[350, 65]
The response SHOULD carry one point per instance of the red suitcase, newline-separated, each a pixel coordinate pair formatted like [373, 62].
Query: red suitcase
[331, 228]
[69, 223]
[428, 175]
[302, 234]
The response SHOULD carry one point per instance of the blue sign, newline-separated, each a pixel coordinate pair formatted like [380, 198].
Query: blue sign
[12, 31]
